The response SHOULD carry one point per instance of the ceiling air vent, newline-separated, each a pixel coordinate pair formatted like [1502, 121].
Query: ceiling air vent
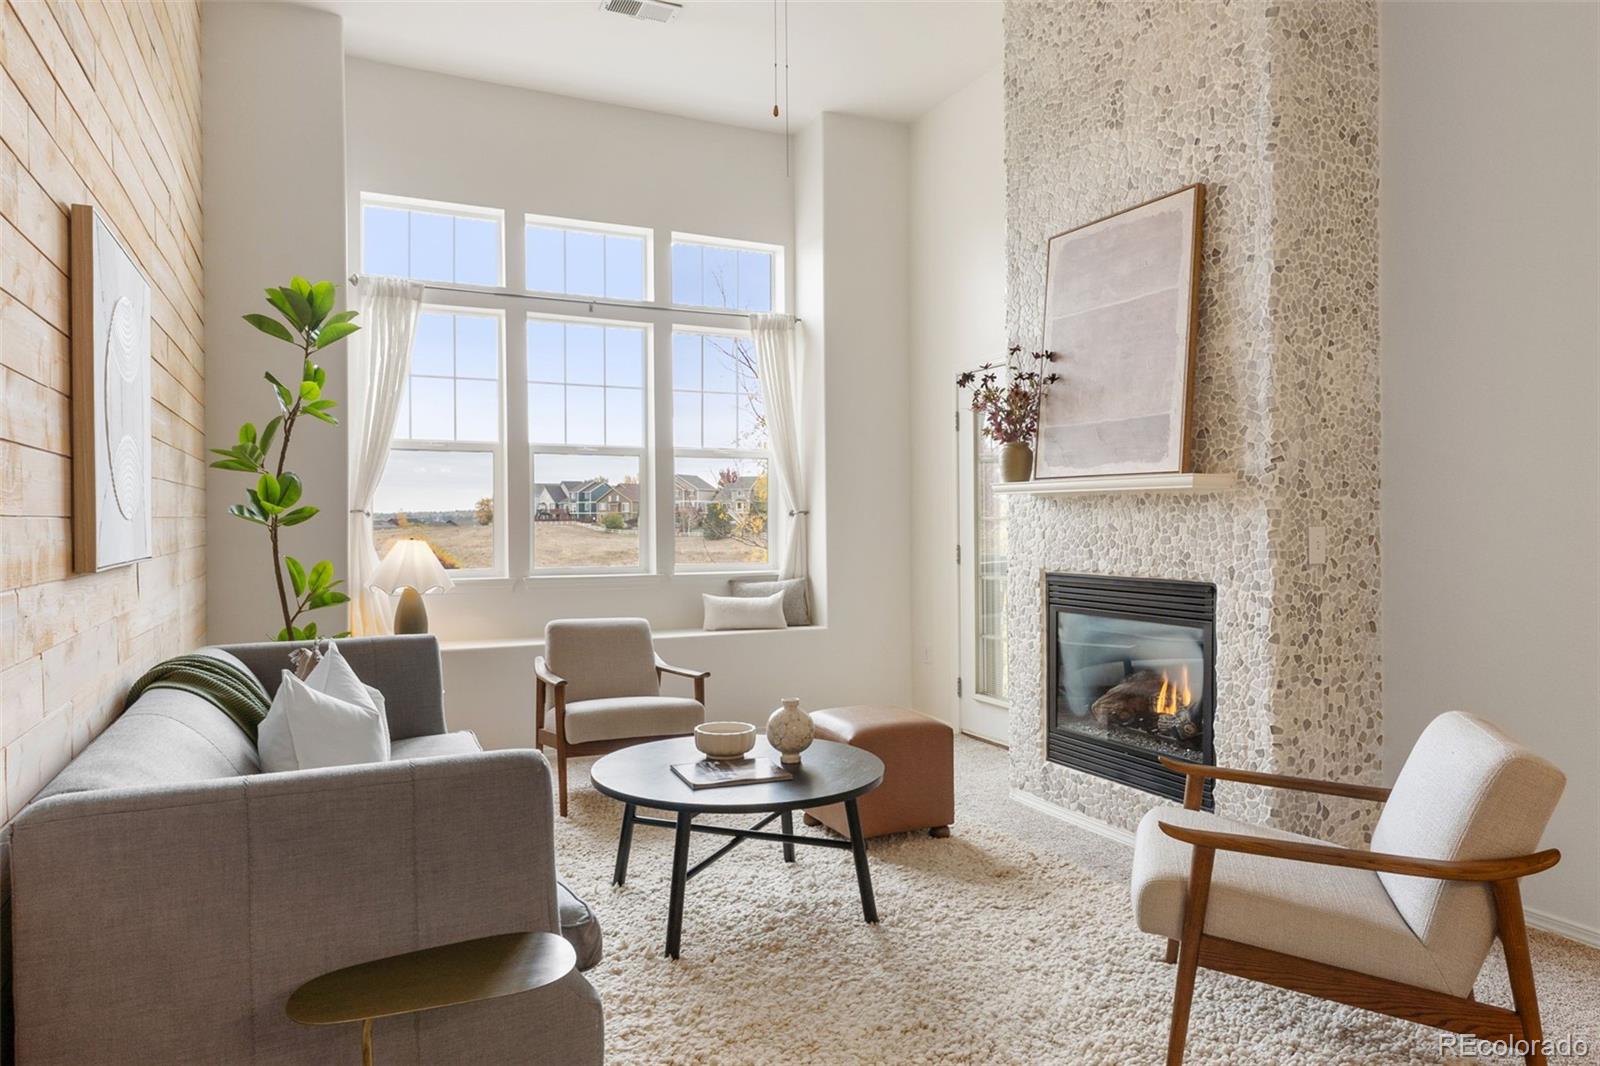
[643, 10]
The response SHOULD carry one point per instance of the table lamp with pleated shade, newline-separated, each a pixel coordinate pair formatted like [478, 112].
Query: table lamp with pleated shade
[409, 570]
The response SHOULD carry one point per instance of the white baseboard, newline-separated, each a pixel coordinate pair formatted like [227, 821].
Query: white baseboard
[1537, 919]
[1583, 934]
[1082, 821]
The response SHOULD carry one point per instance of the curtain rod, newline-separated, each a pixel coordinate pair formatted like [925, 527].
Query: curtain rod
[355, 279]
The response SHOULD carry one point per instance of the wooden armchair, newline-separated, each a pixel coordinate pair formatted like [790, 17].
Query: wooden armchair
[1402, 929]
[598, 688]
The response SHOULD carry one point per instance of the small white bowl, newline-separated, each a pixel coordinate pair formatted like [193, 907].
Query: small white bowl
[725, 740]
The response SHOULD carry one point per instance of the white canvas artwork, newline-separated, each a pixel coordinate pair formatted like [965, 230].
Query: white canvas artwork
[110, 399]
[1120, 299]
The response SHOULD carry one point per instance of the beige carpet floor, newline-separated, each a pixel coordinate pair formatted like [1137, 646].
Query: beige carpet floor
[1009, 942]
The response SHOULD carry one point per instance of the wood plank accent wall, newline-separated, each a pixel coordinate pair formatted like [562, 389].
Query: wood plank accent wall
[100, 104]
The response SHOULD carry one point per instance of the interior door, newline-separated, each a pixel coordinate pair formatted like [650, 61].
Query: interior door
[981, 561]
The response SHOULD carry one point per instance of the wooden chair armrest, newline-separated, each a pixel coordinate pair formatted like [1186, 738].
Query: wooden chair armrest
[681, 671]
[1331, 855]
[1297, 784]
[542, 671]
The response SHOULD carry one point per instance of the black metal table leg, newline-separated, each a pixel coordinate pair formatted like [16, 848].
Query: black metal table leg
[624, 843]
[680, 877]
[858, 844]
[788, 830]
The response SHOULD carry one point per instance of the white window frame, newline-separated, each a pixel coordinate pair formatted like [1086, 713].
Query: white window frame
[603, 229]
[495, 448]
[435, 207]
[646, 526]
[775, 250]
[727, 455]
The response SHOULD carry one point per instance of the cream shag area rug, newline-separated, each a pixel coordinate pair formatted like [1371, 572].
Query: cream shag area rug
[1012, 941]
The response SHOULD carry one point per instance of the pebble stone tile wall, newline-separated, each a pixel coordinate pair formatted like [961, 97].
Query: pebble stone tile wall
[1274, 107]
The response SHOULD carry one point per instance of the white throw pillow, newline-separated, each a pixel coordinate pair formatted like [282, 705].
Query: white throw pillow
[307, 727]
[744, 612]
[334, 675]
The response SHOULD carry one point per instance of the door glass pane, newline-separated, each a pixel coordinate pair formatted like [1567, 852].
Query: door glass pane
[991, 572]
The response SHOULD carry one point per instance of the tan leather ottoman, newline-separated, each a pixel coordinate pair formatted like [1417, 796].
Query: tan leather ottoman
[919, 769]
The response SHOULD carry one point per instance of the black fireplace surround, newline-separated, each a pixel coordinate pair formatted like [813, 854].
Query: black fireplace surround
[1131, 677]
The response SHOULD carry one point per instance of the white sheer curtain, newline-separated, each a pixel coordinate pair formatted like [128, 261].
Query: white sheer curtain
[382, 355]
[778, 364]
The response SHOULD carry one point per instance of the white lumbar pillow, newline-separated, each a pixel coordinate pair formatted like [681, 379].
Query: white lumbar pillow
[331, 720]
[744, 612]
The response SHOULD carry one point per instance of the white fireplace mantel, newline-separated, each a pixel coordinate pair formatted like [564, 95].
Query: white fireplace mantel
[1078, 486]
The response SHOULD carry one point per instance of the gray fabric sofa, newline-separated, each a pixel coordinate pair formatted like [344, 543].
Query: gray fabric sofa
[167, 896]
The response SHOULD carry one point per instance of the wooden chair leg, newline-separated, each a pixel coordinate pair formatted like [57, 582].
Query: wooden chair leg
[1519, 966]
[1172, 951]
[1194, 923]
[561, 778]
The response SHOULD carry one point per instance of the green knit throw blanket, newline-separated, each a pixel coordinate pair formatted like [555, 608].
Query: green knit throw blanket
[234, 692]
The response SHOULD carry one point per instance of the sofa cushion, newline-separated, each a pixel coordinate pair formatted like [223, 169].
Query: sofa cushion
[579, 926]
[167, 737]
[1330, 914]
[1466, 791]
[632, 716]
[463, 742]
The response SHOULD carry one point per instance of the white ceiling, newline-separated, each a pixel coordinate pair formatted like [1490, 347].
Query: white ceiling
[889, 59]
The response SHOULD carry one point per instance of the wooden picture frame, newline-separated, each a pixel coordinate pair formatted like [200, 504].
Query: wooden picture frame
[111, 418]
[1121, 312]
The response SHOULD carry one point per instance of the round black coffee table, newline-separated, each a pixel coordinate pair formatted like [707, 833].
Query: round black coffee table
[829, 772]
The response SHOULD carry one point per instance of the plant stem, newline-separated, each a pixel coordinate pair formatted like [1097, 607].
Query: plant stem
[272, 527]
[277, 573]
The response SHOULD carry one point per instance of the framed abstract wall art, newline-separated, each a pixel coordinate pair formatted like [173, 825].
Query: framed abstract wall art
[111, 450]
[1120, 312]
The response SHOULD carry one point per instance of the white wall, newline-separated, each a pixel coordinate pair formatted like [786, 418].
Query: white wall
[532, 152]
[1491, 459]
[273, 194]
[958, 319]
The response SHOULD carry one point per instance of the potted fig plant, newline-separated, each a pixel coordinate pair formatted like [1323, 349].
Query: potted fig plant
[1006, 396]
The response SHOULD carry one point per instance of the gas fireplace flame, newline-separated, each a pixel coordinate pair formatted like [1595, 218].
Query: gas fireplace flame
[1174, 696]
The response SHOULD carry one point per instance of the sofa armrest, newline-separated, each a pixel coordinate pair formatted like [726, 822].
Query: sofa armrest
[406, 669]
[183, 917]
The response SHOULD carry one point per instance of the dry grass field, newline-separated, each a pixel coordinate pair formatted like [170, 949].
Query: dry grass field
[562, 545]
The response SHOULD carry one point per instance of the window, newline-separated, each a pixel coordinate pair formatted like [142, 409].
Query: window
[720, 465]
[432, 241]
[587, 259]
[991, 572]
[442, 479]
[724, 274]
[586, 432]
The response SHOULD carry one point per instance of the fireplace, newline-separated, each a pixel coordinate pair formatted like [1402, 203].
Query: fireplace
[1130, 672]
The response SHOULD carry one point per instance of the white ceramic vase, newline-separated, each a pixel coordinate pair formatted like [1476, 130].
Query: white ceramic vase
[790, 731]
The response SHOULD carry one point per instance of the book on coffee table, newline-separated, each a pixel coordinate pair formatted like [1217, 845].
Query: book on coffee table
[720, 773]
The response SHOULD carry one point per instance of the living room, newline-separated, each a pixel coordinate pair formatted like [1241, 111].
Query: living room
[1125, 475]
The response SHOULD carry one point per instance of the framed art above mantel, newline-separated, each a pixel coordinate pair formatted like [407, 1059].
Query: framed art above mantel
[1121, 314]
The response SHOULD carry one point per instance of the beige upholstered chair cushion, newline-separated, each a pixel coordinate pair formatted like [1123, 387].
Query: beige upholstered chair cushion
[1467, 791]
[602, 658]
[627, 717]
[1329, 914]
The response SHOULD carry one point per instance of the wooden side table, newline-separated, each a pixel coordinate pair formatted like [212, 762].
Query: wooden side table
[466, 972]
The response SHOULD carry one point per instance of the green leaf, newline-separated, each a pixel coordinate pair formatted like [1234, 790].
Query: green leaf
[268, 489]
[285, 397]
[301, 286]
[340, 636]
[298, 515]
[286, 635]
[323, 416]
[235, 464]
[342, 316]
[277, 299]
[297, 575]
[301, 304]
[335, 331]
[310, 390]
[321, 300]
[270, 326]
[320, 575]
[309, 632]
[269, 433]
[247, 433]
[243, 511]
[326, 598]
[264, 507]
[289, 489]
